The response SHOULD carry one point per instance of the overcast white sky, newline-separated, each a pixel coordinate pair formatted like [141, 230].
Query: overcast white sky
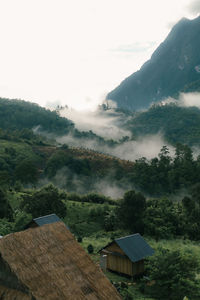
[75, 51]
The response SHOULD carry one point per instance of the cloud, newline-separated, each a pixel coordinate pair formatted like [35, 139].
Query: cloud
[194, 7]
[103, 123]
[190, 99]
[184, 99]
[148, 146]
[135, 47]
[111, 189]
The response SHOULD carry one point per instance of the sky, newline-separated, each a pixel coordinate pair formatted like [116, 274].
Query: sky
[73, 52]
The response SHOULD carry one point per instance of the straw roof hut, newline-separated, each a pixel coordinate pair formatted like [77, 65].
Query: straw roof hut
[10, 294]
[48, 263]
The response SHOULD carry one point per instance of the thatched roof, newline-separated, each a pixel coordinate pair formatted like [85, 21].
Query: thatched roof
[50, 263]
[10, 294]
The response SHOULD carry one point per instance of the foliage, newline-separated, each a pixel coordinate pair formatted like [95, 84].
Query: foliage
[6, 227]
[21, 220]
[5, 208]
[45, 201]
[131, 211]
[161, 219]
[177, 124]
[173, 275]
[79, 239]
[110, 220]
[26, 171]
[164, 174]
[18, 114]
[90, 249]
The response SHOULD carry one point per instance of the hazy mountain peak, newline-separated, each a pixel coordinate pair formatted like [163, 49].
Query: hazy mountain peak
[173, 66]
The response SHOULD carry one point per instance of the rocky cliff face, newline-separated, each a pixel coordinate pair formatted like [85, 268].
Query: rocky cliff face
[174, 66]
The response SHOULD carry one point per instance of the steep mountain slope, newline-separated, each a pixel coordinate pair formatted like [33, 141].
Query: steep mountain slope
[173, 67]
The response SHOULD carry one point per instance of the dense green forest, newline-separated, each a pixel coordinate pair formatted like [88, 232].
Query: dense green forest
[177, 124]
[18, 115]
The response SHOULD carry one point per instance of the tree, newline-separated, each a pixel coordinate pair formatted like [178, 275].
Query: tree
[131, 211]
[90, 249]
[110, 221]
[45, 201]
[5, 208]
[174, 275]
[161, 218]
[26, 171]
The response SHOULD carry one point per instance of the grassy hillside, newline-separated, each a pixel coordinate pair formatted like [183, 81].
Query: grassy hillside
[31, 160]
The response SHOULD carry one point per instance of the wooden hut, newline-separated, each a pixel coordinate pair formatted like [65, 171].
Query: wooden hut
[48, 219]
[47, 263]
[126, 255]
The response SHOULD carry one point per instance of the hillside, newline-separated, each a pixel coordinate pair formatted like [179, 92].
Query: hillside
[173, 67]
[19, 114]
[32, 160]
[177, 124]
[23, 116]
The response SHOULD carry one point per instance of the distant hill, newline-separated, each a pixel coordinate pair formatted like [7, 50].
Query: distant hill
[173, 67]
[177, 124]
[19, 114]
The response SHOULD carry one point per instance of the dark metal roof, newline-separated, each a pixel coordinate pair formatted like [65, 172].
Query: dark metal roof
[47, 219]
[135, 247]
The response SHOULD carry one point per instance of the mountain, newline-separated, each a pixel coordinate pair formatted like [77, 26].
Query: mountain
[173, 67]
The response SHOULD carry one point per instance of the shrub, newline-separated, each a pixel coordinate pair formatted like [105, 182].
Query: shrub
[80, 239]
[90, 248]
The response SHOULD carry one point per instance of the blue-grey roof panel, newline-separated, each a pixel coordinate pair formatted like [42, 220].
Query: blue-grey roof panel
[135, 247]
[49, 219]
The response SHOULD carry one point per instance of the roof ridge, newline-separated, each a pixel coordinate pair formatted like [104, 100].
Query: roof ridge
[127, 236]
[45, 216]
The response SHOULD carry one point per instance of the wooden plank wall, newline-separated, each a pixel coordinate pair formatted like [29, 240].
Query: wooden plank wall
[122, 264]
[119, 264]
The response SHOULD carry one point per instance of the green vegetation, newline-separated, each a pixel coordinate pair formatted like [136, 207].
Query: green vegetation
[86, 219]
[165, 174]
[43, 202]
[177, 124]
[18, 115]
[173, 274]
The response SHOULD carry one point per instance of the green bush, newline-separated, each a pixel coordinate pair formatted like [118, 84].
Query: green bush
[90, 249]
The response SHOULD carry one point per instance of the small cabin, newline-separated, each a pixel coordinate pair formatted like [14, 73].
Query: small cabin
[126, 255]
[48, 219]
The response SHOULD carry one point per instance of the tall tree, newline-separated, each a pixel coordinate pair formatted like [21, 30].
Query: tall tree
[45, 201]
[131, 211]
[5, 208]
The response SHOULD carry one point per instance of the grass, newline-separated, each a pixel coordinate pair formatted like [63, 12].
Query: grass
[182, 245]
[85, 219]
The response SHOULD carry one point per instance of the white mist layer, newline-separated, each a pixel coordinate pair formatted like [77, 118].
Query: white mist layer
[102, 123]
[184, 99]
[148, 147]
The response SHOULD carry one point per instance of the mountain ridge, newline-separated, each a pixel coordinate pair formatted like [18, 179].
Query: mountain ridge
[173, 65]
